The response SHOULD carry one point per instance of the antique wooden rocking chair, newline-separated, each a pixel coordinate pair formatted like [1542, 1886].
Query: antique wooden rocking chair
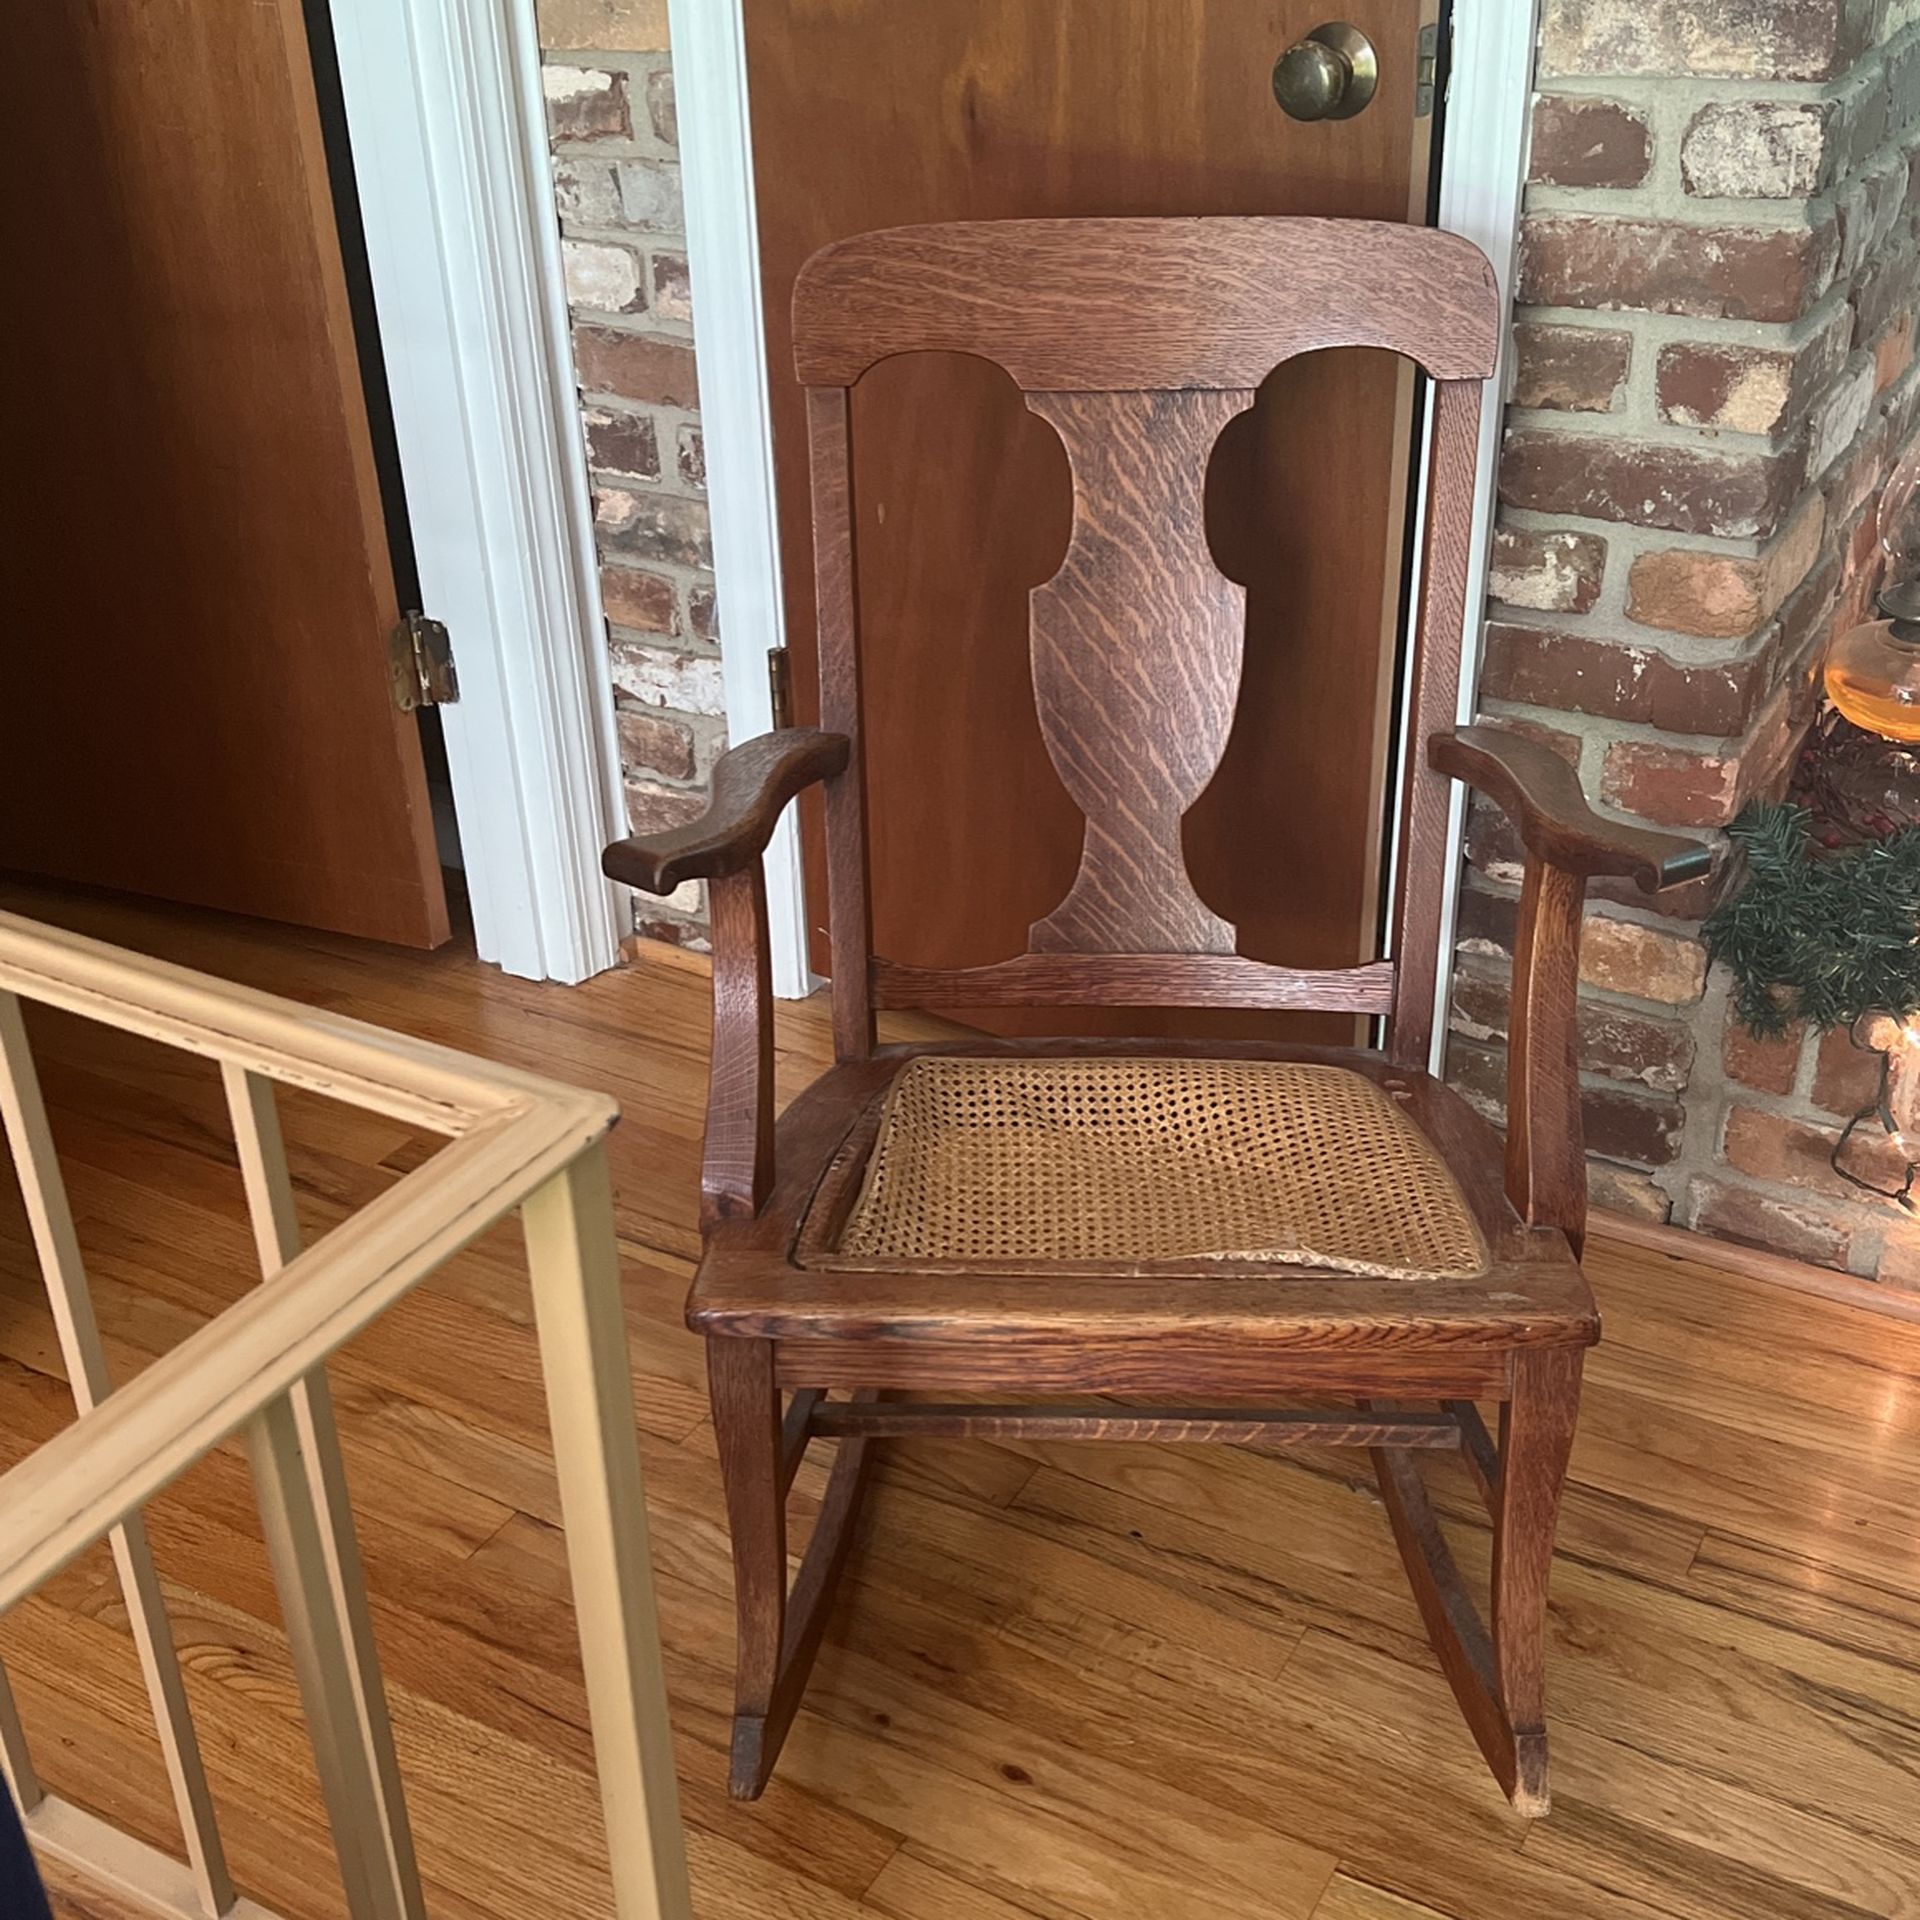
[1212, 1221]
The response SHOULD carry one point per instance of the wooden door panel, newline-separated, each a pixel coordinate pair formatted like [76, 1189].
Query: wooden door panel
[868, 114]
[199, 583]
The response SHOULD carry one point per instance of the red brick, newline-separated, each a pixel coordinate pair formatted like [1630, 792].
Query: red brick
[1616, 679]
[643, 601]
[1614, 1042]
[1492, 846]
[1884, 291]
[650, 742]
[1747, 388]
[1893, 353]
[1723, 596]
[672, 290]
[586, 103]
[1684, 488]
[1870, 207]
[1641, 962]
[1767, 1065]
[1787, 1152]
[1899, 1264]
[1845, 1077]
[1568, 746]
[1613, 1189]
[692, 456]
[649, 923]
[1619, 1125]
[1552, 572]
[655, 527]
[1670, 785]
[636, 366]
[634, 26]
[1572, 369]
[1838, 417]
[703, 613]
[652, 808]
[662, 115]
[624, 443]
[1760, 149]
[1581, 141]
[1732, 273]
[1738, 39]
[1676, 786]
[1752, 1219]
[1486, 923]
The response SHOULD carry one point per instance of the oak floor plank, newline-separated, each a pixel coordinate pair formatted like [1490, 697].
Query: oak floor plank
[1350, 1899]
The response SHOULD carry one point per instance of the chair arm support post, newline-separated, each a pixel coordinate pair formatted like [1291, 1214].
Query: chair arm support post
[736, 1166]
[1567, 844]
[751, 786]
[1546, 1138]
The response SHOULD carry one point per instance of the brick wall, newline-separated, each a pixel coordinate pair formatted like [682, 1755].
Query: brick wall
[1714, 371]
[610, 112]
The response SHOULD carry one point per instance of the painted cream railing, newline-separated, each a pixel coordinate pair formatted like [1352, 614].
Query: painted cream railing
[259, 1369]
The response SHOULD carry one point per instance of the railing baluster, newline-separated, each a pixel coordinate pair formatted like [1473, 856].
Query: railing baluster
[575, 1269]
[317, 1563]
[16, 1758]
[51, 1218]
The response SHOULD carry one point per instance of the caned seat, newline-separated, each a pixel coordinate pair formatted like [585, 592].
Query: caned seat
[1268, 1244]
[1150, 1163]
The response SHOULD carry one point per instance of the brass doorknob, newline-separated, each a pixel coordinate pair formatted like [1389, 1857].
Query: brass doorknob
[1330, 75]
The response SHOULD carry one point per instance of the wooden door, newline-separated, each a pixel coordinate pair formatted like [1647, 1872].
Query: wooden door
[868, 113]
[198, 587]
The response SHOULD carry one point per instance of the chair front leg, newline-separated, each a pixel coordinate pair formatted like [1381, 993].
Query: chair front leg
[746, 1424]
[1536, 1440]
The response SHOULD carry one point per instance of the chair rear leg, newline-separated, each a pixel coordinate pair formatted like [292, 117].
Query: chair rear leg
[1536, 1439]
[746, 1422]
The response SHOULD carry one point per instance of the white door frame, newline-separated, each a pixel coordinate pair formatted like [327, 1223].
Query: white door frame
[1482, 168]
[448, 130]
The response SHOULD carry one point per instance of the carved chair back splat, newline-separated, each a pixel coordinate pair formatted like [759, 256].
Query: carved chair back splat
[1136, 641]
[1135, 647]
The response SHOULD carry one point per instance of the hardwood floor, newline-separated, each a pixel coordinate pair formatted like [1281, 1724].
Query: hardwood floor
[1068, 1683]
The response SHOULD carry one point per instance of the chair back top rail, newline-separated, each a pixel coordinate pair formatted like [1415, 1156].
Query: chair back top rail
[1060, 303]
[1136, 642]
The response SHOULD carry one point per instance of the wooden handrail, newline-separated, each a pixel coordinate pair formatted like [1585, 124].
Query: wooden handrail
[518, 1143]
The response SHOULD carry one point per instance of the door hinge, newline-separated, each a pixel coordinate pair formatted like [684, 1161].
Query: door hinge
[420, 657]
[1426, 69]
[780, 686]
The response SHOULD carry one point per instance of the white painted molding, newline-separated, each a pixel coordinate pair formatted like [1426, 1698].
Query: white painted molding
[1483, 171]
[449, 142]
[723, 262]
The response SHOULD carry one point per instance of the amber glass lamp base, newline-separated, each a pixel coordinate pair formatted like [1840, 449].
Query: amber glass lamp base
[1873, 677]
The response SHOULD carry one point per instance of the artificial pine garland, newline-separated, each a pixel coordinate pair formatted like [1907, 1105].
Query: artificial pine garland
[1817, 935]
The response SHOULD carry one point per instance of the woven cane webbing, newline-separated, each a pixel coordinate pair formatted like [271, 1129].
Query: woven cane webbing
[1036, 1161]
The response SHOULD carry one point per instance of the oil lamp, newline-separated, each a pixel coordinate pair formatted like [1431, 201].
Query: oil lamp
[1872, 671]
[1872, 675]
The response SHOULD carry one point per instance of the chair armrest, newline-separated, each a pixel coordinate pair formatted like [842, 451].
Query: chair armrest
[751, 784]
[1541, 795]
